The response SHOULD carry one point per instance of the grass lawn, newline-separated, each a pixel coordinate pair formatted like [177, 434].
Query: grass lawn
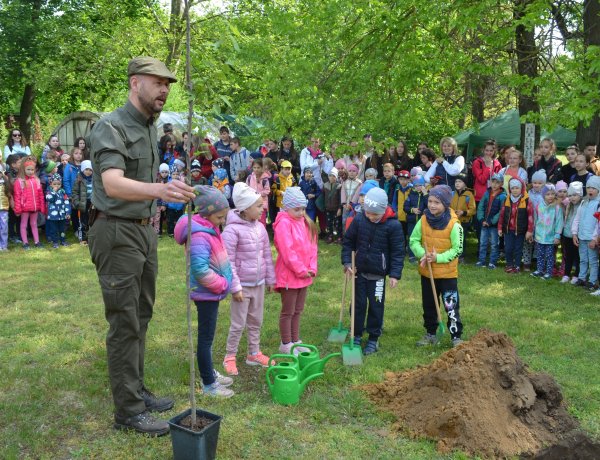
[54, 394]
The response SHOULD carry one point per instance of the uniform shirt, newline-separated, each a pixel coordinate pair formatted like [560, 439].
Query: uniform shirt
[124, 139]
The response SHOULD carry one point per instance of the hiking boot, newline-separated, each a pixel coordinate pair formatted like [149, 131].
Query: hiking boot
[456, 341]
[565, 279]
[155, 404]
[371, 347]
[230, 365]
[257, 360]
[142, 423]
[428, 339]
[218, 390]
[223, 380]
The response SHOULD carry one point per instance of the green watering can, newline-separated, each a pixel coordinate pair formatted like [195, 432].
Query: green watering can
[307, 358]
[287, 387]
[293, 363]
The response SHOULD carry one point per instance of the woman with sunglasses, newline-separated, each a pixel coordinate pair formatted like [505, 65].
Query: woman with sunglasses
[16, 143]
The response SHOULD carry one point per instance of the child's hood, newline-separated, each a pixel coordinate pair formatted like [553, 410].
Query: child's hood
[199, 224]
[283, 216]
[389, 212]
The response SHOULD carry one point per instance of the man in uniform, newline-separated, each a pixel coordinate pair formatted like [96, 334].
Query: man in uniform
[123, 244]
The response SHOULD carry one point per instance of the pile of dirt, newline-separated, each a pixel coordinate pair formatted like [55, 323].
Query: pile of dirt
[480, 398]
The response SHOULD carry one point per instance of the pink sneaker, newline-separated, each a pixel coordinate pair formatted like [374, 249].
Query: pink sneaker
[230, 366]
[257, 360]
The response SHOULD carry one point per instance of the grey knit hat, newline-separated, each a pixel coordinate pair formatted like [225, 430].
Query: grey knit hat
[376, 201]
[293, 198]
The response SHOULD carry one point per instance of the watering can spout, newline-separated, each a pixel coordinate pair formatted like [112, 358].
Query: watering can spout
[328, 357]
[308, 379]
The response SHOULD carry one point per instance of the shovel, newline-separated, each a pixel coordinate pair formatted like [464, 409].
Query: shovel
[338, 334]
[441, 329]
[352, 354]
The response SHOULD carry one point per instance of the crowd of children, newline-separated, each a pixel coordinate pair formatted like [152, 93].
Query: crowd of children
[423, 209]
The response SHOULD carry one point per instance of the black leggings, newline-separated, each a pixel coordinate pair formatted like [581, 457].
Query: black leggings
[570, 255]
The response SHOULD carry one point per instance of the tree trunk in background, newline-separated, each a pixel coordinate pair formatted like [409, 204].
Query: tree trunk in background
[527, 66]
[591, 37]
[26, 110]
[176, 30]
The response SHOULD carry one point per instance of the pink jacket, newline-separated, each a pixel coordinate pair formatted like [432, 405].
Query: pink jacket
[249, 251]
[263, 187]
[28, 195]
[297, 252]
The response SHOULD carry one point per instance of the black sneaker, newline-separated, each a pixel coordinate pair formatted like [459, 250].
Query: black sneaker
[142, 423]
[154, 404]
[26, 247]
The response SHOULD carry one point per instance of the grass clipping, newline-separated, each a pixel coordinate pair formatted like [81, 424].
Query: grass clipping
[479, 398]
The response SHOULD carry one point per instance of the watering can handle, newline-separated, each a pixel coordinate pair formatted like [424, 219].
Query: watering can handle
[305, 345]
[279, 355]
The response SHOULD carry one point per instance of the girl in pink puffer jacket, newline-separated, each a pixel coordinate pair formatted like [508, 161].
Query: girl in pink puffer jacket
[29, 199]
[249, 251]
[296, 266]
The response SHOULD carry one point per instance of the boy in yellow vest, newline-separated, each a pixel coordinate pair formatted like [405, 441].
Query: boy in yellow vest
[284, 180]
[440, 231]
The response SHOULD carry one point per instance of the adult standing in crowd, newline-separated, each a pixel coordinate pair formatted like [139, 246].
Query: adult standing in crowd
[15, 143]
[81, 144]
[123, 244]
[223, 146]
[448, 166]
[53, 149]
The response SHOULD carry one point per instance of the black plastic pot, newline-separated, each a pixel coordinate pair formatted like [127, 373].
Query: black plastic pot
[195, 445]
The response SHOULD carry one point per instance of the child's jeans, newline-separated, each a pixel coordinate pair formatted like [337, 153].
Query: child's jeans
[447, 288]
[31, 219]
[208, 312]
[489, 235]
[292, 306]
[513, 248]
[571, 256]
[545, 258]
[373, 292]
[247, 314]
[55, 230]
[588, 264]
[3, 230]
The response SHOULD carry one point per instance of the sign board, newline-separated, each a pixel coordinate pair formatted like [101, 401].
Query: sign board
[529, 146]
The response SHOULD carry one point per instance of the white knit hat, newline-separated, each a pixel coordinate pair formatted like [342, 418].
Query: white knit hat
[86, 164]
[575, 188]
[164, 167]
[244, 196]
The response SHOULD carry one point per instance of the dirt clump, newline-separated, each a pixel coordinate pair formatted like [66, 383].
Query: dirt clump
[479, 398]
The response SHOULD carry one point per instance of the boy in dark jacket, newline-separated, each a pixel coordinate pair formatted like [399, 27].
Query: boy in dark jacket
[414, 206]
[376, 236]
[311, 191]
[488, 214]
[333, 206]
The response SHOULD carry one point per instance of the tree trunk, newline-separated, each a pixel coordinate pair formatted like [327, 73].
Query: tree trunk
[175, 32]
[26, 110]
[591, 34]
[527, 66]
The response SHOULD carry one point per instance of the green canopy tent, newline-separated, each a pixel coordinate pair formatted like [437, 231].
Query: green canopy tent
[506, 130]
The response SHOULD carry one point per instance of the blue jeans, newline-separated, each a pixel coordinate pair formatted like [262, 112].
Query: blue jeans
[588, 262]
[513, 248]
[207, 324]
[489, 235]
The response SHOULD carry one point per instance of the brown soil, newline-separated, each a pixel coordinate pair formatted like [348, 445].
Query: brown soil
[201, 423]
[479, 398]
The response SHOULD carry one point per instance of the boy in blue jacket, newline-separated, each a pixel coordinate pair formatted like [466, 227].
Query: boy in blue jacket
[376, 236]
[311, 191]
[488, 213]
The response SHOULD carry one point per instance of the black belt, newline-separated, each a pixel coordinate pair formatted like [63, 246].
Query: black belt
[103, 215]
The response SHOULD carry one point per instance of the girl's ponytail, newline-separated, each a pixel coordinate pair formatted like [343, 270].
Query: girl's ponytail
[312, 227]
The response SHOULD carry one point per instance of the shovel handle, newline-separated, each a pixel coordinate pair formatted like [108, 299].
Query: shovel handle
[343, 297]
[435, 297]
[353, 305]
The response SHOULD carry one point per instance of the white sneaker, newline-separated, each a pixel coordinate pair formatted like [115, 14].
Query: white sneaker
[216, 389]
[574, 280]
[222, 379]
[565, 279]
[596, 293]
[299, 350]
[286, 348]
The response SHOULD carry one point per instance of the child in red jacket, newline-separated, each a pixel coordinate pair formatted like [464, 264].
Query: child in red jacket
[29, 200]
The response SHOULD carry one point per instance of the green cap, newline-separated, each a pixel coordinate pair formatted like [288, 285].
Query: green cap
[149, 66]
[50, 166]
